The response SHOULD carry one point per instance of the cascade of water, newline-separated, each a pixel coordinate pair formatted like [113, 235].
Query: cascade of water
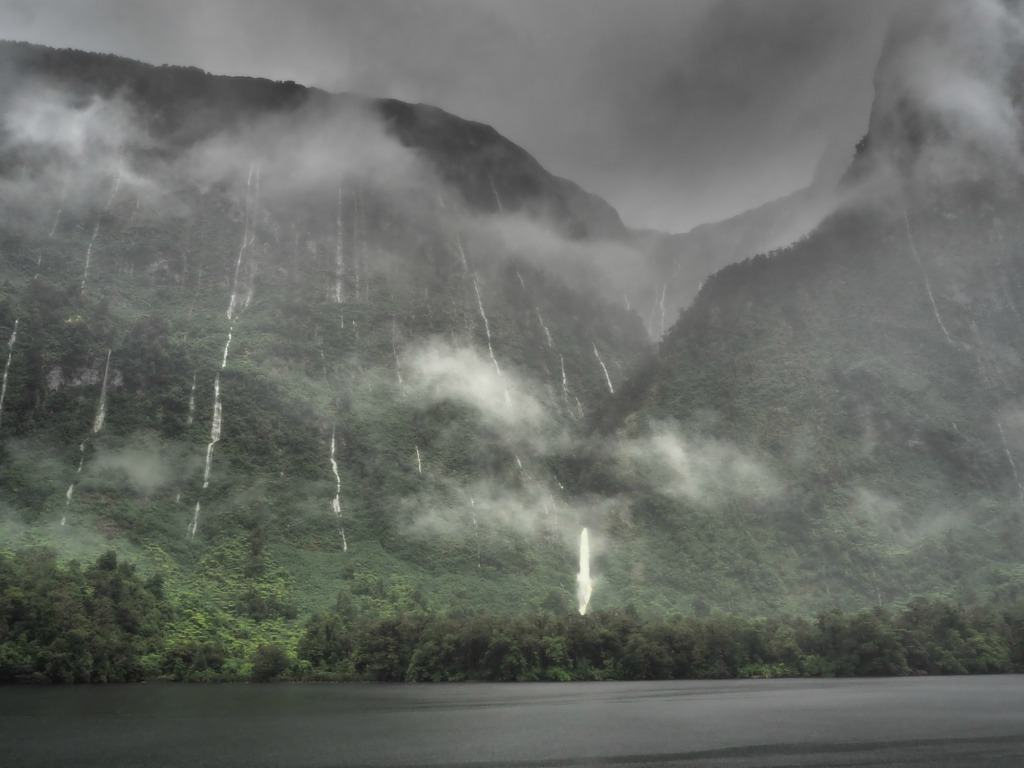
[227, 346]
[7, 367]
[462, 253]
[243, 247]
[88, 256]
[522, 283]
[476, 528]
[101, 408]
[661, 308]
[544, 327]
[497, 197]
[625, 299]
[194, 525]
[1010, 461]
[487, 332]
[69, 494]
[339, 254]
[925, 279]
[394, 350]
[419, 461]
[191, 402]
[216, 424]
[584, 584]
[607, 378]
[565, 390]
[336, 501]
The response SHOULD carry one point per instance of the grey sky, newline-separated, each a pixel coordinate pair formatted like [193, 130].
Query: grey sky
[677, 112]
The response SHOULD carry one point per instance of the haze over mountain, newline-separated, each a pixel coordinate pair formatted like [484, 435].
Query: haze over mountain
[296, 349]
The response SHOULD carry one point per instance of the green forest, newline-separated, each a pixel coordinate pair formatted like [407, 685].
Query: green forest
[103, 622]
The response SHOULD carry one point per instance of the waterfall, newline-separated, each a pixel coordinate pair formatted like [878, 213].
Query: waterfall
[661, 308]
[1010, 461]
[69, 494]
[244, 246]
[227, 346]
[565, 391]
[544, 327]
[215, 429]
[336, 501]
[462, 253]
[7, 368]
[339, 254]
[607, 378]
[487, 332]
[194, 525]
[476, 529]
[56, 220]
[419, 461]
[101, 408]
[584, 584]
[88, 255]
[497, 197]
[394, 350]
[191, 402]
[925, 279]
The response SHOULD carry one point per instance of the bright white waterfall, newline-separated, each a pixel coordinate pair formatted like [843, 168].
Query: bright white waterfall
[336, 501]
[216, 424]
[522, 283]
[194, 525]
[227, 346]
[101, 407]
[487, 332]
[339, 254]
[1010, 461]
[925, 279]
[191, 402]
[88, 255]
[419, 461]
[544, 327]
[604, 368]
[497, 197]
[584, 584]
[243, 248]
[394, 351]
[7, 367]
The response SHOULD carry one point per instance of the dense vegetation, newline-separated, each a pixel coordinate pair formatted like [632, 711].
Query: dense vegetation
[103, 623]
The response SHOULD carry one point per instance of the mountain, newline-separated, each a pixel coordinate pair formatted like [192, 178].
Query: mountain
[295, 350]
[873, 367]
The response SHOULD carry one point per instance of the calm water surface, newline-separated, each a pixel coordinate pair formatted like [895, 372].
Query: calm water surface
[977, 721]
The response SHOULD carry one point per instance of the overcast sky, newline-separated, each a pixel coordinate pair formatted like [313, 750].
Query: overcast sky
[676, 111]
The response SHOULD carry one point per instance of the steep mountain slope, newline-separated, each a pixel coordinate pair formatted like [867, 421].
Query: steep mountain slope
[874, 366]
[269, 342]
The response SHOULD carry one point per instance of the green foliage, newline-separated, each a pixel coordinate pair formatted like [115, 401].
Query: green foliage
[268, 663]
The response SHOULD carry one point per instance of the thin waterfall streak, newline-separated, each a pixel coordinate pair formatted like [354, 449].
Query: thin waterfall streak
[661, 308]
[227, 346]
[462, 253]
[194, 525]
[336, 501]
[927, 282]
[487, 332]
[88, 256]
[191, 402]
[419, 461]
[497, 197]
[101, 407]
[339, 253]
[394, 350]
[1010, 461]
[604, 368]
[544, 328]
[7, 368]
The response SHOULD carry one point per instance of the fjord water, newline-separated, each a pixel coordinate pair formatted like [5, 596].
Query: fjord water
[977, 721]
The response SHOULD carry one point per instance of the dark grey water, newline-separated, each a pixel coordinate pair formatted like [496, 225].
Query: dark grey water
[977, 721]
